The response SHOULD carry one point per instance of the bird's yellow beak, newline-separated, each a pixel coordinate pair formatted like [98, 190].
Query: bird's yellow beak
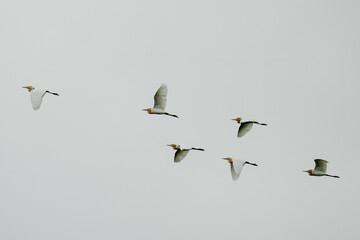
[228, 159]
[147, 110]
[237, 119]
[172, 145]
[29, 88]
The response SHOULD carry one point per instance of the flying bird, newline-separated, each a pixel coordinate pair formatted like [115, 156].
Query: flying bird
[245, 126]
[320, 169]
[160, 102]
[37, 96]
[236, 166]
[181, 152]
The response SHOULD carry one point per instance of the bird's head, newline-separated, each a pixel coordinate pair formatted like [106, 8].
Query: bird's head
[30, 88]
[308, 171]
[147, 110]
[229, 159]
[237, 119]
[174, 146]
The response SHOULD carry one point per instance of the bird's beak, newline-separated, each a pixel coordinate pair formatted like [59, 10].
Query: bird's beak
[174, 146]
[28, 88]
[145, 109]
[228, 159]
[237, 119]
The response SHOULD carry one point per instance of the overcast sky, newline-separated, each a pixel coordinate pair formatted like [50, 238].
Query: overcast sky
[91, 165]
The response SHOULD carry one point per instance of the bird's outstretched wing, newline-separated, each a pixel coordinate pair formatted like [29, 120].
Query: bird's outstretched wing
[180, 155]
[320, 165]
[36, 98]
[160, 97]
[236, 167]
[244, 128]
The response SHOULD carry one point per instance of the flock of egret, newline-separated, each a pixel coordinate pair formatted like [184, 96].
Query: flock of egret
[160, 96]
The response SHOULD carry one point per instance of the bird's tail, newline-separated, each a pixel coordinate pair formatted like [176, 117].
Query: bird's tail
[172, 115]
[332, 176]
[264, 124]
[53, 93]
[254, 164]
[199, 149]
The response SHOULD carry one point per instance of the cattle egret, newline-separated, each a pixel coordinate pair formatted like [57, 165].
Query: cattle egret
[37, 96]
[320, 169]
[181, 152]
[236, 166]
[245, 126]
[160, 102]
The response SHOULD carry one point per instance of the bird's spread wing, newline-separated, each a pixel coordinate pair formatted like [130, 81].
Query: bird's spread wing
[320, 165]
[160, 97]
[180, 155]
[244, 128]
[236, 167]
[36, 98]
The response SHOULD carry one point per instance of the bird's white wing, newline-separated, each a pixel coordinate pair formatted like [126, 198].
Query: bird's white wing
[160, 97]
[320, 165]
[180, 155]
[236, 167]
[244, 128]
[36, 98]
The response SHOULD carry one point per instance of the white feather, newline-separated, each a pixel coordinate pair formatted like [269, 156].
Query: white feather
[244, 128]
[36, 98]
[236, 167]
[160, 98]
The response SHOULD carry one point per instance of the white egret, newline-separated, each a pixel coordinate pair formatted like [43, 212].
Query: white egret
[245, 126]
[160, 102]
[320, 169]
[37, 96]
[236, 166]
[181, 152]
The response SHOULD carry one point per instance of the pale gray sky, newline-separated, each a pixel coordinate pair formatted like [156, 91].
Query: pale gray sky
[91, 165]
